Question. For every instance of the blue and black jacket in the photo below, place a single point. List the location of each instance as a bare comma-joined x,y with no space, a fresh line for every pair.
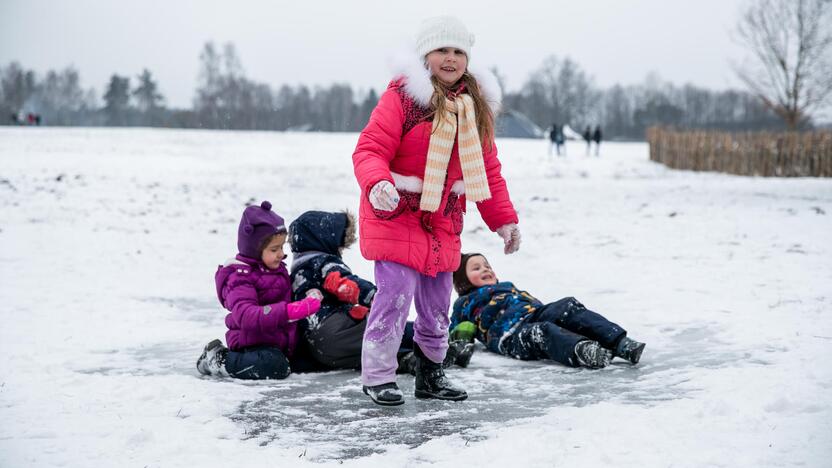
496,310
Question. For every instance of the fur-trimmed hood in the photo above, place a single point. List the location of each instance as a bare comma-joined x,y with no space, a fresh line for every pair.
322,231
416,81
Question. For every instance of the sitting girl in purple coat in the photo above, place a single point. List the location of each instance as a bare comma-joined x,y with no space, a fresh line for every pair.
254,287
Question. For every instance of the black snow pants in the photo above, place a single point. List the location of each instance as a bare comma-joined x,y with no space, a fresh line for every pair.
336,341
553,330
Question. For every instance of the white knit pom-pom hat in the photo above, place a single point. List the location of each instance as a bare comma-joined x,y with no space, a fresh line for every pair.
443,31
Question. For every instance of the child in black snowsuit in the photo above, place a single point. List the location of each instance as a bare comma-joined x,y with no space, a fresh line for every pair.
334,334
514,323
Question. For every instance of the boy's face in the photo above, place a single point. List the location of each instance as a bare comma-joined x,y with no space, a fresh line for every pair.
479,272
273,253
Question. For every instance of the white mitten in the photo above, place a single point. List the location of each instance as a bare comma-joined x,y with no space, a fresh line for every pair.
384,196
316,293
511,237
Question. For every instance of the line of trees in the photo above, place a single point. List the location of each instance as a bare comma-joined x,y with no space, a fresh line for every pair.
559,91
57,95
225,99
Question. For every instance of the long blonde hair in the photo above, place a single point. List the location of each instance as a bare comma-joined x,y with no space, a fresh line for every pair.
485,117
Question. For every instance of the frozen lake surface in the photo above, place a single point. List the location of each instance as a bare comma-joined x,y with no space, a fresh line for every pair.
109,239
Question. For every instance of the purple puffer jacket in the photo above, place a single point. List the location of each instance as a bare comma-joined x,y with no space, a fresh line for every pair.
257,298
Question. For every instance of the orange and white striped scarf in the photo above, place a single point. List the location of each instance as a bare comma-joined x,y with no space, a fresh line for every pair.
458,114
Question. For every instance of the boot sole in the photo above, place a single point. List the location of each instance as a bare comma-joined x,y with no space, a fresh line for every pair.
386,403
423,395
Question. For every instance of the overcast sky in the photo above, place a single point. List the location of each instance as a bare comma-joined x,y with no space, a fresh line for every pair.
318,42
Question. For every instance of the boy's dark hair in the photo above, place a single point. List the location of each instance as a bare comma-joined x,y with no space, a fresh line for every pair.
461,283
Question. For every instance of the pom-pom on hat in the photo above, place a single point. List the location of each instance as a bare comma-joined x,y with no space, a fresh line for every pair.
443,31
257,224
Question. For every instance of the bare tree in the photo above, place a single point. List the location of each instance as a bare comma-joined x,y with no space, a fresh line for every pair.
791,43
501,79
207,99
558,91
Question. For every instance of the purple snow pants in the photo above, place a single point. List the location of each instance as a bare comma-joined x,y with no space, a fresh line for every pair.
398,286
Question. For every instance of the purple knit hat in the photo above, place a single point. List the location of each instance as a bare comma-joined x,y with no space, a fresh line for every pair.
257,224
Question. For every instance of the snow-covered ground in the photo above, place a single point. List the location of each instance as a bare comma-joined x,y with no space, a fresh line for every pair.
109,240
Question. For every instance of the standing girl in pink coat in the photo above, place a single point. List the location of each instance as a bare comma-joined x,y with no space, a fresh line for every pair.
429,146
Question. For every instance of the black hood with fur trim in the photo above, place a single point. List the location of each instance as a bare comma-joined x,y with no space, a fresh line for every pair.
322,231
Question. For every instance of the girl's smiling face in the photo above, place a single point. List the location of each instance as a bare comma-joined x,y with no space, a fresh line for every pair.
273,252
479,272
447,64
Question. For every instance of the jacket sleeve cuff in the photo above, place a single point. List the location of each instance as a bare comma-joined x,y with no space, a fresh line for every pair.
275,317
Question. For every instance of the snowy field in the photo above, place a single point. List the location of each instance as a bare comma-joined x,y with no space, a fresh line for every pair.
109,240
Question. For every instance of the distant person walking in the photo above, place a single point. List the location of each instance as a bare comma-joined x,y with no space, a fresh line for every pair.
552,137
556,138
587,138
596,136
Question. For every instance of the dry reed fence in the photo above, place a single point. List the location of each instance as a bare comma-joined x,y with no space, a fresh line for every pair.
787,154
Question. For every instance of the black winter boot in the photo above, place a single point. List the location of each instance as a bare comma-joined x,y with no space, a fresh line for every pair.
459,353
591,354
385,394
451,355
212,359
407,363
629,349
431,381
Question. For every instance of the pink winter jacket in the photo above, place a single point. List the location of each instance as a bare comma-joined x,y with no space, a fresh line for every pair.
393,147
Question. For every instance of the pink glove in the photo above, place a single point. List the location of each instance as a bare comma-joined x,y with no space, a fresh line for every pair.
303,308
511,237
384,196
